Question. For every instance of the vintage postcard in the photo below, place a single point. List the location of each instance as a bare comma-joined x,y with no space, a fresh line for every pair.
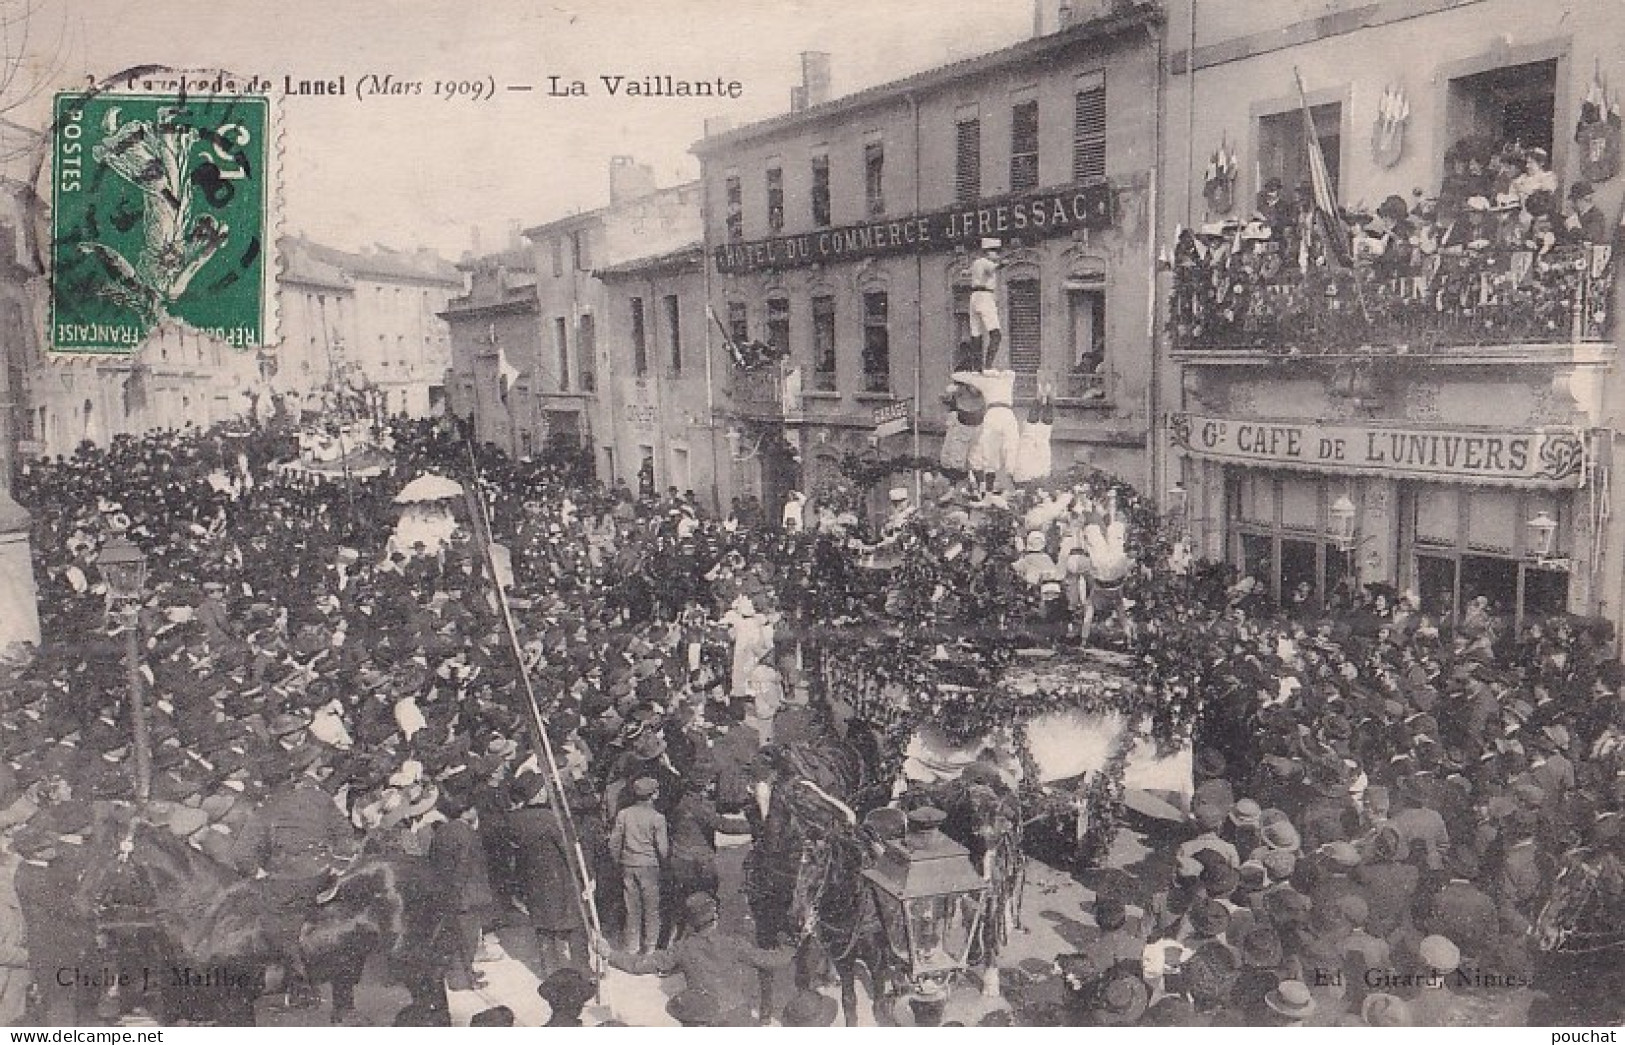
1047,513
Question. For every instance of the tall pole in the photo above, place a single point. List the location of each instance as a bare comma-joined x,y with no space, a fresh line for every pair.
134,683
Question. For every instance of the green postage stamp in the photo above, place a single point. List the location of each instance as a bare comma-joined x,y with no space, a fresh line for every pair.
160,212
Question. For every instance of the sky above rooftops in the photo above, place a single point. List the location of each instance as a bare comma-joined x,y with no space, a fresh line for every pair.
418,170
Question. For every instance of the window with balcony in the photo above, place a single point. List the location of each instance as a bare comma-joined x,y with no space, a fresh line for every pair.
820,191
778,325
1086,315
775,199
1283,145
1089,129
640,340
674,332
824,354
561,351
1512,106
968,160
876,343
736,209
1447,280
1024,146
874,178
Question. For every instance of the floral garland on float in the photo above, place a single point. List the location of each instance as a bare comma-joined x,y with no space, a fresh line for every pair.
956,648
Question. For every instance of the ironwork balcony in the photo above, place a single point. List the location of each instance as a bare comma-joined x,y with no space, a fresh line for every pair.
1256,299
760,392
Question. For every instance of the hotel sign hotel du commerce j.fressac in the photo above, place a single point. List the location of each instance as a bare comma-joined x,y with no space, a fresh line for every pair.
1541,457
1028,217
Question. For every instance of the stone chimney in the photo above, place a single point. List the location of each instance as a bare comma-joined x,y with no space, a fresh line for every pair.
814,78
629,179
514,240
1038,17
715,125
474,239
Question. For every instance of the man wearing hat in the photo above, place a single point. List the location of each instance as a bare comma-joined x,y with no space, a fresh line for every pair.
693,826
61,935
810,1009
297,837
1585,222
566,991
710,961
1462,911
546,876
985,329
640,844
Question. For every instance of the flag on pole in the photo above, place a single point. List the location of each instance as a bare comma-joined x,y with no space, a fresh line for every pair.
1327,215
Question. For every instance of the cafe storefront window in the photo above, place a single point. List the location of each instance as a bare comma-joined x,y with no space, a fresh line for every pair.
1465,543
1279,526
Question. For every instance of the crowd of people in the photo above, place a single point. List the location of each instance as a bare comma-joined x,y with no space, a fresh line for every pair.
1500,255
1377,783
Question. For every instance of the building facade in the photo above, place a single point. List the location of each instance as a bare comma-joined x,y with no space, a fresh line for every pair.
494,322
389,330
841,233
663,363
1436,412
571,377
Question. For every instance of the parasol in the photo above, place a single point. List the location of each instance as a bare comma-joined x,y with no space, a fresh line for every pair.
428,487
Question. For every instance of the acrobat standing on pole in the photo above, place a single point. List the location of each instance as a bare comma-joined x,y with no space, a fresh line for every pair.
985,328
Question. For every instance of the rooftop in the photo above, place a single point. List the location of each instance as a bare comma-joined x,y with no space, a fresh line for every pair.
380,263
687,254
1130,15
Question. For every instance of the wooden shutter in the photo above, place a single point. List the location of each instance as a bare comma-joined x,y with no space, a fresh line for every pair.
1024,147
1026,326
1089,134
968,160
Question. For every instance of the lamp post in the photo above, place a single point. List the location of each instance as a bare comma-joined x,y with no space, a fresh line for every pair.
123,568
930,899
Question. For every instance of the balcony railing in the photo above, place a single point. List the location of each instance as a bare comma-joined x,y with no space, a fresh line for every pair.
1250,296
759,392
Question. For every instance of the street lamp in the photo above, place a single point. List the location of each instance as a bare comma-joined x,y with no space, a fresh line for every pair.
1544,530
123,569
1342,516
1178,503
930,898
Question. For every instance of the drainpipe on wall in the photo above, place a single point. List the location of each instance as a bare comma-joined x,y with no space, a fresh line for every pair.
919,311
1154,406
710,387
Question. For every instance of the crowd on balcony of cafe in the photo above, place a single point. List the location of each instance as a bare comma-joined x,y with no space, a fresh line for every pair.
1501,254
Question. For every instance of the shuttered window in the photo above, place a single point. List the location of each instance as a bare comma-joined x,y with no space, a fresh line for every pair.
640,340
561,345
968,160
775,199
1024,146
738,323
1026,326
876,343
674,332
587,352
1089,133
824,355
736,210
874,178
820,191
778,323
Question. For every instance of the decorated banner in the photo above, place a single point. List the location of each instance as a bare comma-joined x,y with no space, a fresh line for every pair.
1544,457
